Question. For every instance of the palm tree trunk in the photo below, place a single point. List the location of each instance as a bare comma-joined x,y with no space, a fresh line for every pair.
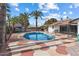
2,28
9,23
36,29
36,25
25,26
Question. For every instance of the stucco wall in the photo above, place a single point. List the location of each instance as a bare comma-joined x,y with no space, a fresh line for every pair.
53,29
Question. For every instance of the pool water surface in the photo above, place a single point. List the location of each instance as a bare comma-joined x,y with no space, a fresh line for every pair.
38,36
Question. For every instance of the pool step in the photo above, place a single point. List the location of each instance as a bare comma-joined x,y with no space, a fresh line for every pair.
15,45
32,46
28,47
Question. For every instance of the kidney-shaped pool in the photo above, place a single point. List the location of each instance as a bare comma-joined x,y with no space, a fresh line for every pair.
38,36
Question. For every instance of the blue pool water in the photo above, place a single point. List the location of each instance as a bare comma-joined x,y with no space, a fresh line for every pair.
38,36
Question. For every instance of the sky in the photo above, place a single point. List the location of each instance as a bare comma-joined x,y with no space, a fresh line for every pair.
49,10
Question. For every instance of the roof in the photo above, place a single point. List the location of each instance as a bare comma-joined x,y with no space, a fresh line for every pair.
67,22
64,22
75,20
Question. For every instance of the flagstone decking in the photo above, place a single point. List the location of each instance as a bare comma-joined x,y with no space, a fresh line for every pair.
58,47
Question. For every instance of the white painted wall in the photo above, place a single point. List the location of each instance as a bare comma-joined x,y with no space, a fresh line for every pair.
78,28
57,28
52,29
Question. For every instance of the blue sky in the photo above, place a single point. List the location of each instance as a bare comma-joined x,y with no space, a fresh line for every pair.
49,10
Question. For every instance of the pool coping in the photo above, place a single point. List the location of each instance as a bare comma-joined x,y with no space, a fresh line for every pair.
37,40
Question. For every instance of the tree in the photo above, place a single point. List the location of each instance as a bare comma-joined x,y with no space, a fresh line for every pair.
8,15
36,14
8,28
50,21
8,8
23,20
2,26
14,21
8,20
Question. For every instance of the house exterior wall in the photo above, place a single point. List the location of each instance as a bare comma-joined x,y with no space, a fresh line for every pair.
50,29
53,29
78,28
57,28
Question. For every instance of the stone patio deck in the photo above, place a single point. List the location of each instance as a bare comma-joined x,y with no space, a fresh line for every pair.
58,47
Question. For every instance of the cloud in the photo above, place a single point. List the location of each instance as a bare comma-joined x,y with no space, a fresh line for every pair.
41,5
70,12
48,6
43,17
44,11
52,6
64,13
15,4
32,3
45,7
65,16
70,6
27,9
76,5
55,15
17,9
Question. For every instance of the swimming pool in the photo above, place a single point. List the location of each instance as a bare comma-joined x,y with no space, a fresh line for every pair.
38,36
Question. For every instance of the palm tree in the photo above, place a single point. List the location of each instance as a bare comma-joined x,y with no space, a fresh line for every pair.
13,21
8,30
8,8
2,26
24,20
36,14
8,15
8,20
